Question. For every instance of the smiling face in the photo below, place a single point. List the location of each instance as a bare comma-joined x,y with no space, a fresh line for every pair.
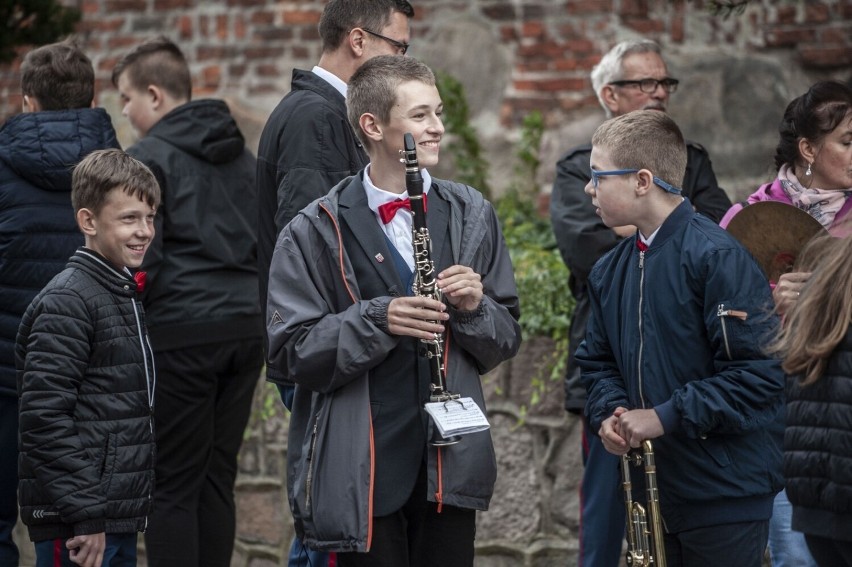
614,198
417,109
121,231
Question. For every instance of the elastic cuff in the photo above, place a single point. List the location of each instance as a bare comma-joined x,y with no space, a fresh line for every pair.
377,312
90,527
466,316
668,415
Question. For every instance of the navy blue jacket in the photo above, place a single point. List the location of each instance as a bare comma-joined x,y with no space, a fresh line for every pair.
680,328
38,232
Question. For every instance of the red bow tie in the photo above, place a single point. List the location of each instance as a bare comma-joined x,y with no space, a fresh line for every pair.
641,245
388,210
140,278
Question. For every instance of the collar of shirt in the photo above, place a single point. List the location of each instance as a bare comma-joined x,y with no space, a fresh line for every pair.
331,79
650,239
398,230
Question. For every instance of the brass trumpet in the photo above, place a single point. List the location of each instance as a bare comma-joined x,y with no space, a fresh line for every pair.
645,545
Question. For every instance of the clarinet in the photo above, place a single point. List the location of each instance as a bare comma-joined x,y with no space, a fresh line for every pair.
424,282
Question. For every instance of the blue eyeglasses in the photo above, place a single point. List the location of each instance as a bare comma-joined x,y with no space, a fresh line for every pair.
596,175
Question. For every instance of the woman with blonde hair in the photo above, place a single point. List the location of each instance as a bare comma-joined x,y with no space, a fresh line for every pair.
816,344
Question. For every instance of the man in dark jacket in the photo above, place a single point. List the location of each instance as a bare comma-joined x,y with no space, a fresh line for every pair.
86,379
37,229
201,299
631,76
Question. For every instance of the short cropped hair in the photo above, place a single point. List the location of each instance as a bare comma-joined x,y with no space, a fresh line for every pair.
342,16
157,62
812,116
104,170
372,89
645,139
611,66
59,76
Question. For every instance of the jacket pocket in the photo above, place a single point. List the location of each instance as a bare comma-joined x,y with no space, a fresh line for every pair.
108,463
309,474
733,328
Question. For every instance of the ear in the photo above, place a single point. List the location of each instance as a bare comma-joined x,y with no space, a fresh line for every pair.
87,222
156,95
371,127
807,150
356,41
644,182
30,104
610,98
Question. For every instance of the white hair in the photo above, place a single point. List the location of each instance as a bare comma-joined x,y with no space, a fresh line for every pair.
610,67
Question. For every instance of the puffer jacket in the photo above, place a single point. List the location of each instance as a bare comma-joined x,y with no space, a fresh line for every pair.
86,385
321,327
202,264
680,328
38,231
818,448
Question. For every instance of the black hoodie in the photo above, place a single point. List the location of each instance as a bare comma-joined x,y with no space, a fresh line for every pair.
202,266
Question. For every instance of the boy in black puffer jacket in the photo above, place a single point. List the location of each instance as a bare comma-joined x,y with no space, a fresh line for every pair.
85,378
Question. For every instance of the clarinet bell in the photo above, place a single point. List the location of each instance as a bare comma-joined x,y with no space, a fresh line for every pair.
436,440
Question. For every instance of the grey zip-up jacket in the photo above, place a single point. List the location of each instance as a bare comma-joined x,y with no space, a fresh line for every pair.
324,333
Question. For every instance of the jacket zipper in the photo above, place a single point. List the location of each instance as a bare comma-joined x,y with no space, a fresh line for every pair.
150,383
723,313
641,328
310,477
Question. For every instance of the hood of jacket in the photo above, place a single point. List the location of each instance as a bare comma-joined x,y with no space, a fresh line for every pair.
204,129
43,147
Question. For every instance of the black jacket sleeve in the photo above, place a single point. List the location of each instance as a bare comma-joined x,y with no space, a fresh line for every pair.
700,185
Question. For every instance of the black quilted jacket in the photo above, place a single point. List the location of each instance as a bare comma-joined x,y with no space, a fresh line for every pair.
818,449
86,387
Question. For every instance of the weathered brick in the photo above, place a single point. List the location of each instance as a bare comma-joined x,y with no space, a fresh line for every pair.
211,75
239,27
266,70
817,12
262,18
273,33
122,41
105,25
580,7
786,14
533,29
786,37
184,26
219,52
508,33
222,22
261,52
825,57
300,52
302,17
633,8
532,12
163,5
309,33
549,85
112,6
90,7
107,63
532,66
501,12
237,71
646,26
838,35
147,24
678,23
542,49
246,3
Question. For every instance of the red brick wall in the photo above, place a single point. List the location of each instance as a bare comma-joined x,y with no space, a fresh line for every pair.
245,49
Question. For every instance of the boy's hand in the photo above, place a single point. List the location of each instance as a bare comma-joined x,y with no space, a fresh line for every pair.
87,550
636,426
418,317
461,286
612,440
786,292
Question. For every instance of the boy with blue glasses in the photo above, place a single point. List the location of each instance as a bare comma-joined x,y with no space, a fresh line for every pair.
674,350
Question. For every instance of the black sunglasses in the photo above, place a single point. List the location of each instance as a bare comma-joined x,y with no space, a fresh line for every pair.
402,47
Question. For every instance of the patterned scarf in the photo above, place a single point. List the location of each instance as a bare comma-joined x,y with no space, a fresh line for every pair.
821,204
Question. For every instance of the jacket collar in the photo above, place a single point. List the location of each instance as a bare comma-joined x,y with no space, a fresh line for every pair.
100,268
679,217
